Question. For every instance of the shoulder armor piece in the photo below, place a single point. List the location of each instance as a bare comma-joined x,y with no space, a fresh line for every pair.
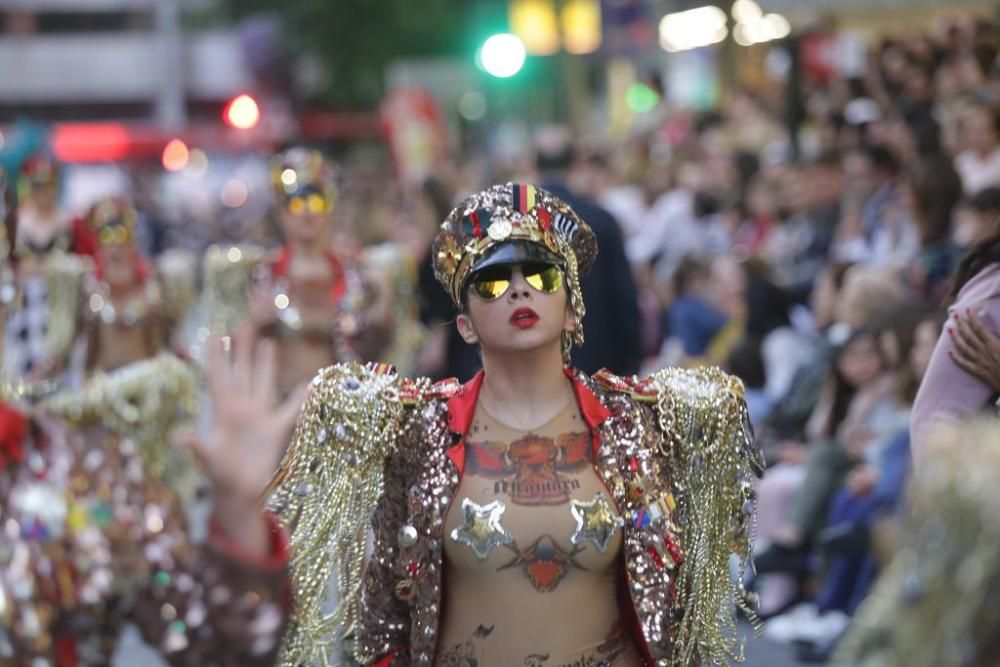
709,446
326,491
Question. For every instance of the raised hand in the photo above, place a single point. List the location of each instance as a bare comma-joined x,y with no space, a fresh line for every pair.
249,432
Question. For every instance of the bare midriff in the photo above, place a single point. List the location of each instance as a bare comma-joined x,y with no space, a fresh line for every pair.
310,345
120,345
532,544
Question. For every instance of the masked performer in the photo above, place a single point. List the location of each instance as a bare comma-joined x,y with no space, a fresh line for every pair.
133,305
535,515
93,537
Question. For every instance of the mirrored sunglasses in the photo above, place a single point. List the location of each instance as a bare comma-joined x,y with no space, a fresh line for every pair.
311,203
493,282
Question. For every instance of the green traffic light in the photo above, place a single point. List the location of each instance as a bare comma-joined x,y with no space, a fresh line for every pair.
640,98
502,55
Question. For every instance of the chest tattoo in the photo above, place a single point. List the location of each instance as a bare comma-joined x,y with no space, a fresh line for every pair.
532,470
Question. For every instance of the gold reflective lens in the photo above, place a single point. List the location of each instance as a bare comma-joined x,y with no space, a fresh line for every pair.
494,281
543,277
317,203
313,203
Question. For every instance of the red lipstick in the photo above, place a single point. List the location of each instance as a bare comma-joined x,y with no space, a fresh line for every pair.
524,318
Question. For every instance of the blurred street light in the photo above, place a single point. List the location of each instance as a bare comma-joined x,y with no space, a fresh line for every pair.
197,165
640,98
502,55
693,28
472,105
753,27
534,22
175,155
575,25
234,193
762,29
746,11
581,26
242,112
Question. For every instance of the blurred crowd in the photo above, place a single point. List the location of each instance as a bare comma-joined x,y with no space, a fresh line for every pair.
819,263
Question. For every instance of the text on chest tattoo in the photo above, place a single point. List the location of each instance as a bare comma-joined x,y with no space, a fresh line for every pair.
532,469
473,653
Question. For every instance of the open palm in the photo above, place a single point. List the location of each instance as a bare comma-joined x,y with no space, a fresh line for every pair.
249,429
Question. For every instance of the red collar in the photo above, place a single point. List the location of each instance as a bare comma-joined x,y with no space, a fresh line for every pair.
13,429
279,269
462,408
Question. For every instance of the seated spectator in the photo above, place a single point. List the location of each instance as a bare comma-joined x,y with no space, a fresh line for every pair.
857,411
875,226
746,363
872,490
692,318
932,191
979,162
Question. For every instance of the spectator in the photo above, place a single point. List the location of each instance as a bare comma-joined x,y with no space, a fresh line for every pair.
692,318
612,320
979,162
875,226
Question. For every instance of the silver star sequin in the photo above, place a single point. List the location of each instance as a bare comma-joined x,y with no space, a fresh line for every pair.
596,521
482,530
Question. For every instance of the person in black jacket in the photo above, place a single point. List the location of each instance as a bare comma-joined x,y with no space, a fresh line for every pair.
612,320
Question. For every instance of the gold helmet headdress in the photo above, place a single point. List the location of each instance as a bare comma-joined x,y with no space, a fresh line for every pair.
113,220
510,223
304,181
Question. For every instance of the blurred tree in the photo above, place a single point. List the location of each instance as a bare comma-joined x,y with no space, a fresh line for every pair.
354,40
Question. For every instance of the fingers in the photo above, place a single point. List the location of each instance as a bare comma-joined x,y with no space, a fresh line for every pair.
965,342
218,371
288,412
975,325
966,363
242,355
264,373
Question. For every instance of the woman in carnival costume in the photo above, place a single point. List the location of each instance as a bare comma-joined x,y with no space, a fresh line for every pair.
534,515
94,536
307,295
133,304
42,277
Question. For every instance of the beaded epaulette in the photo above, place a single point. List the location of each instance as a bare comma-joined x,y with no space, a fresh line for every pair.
709,444
326,492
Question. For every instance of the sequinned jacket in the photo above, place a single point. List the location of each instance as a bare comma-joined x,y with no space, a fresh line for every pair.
91,540
677,443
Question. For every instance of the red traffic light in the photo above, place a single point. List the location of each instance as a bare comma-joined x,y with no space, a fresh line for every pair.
242,112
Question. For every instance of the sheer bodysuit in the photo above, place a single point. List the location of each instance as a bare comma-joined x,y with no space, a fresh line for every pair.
532,548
